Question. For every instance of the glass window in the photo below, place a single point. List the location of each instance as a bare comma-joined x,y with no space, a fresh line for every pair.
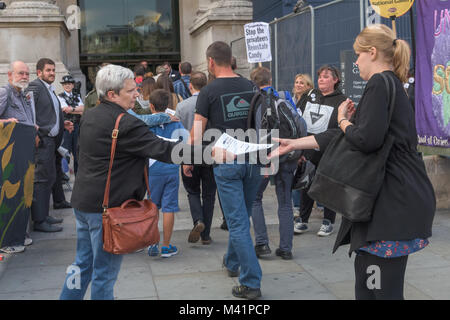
129,27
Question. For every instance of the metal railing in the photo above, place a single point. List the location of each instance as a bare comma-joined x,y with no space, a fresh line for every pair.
304,41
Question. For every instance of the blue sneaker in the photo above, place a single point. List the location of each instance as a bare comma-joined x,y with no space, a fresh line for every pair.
326,229
167,252
153,250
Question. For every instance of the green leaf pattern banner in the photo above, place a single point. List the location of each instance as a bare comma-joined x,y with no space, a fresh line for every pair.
17,149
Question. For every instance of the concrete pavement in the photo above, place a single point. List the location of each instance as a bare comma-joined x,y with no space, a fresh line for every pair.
196,272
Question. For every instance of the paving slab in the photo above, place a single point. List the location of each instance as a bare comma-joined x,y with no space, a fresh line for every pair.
196,272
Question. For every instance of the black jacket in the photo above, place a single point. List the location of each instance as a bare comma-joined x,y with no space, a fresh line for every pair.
405,206
320,115
135,144
45,112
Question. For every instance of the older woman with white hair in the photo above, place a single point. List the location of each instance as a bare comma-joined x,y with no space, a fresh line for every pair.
117,92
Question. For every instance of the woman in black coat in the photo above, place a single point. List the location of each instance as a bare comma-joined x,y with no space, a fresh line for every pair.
403,212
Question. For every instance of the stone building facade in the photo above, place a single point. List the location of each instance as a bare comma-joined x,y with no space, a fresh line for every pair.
33,29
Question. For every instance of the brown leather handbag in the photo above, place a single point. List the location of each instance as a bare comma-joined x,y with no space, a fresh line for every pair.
133,225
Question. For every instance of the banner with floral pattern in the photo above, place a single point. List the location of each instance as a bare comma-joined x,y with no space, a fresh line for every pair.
17,147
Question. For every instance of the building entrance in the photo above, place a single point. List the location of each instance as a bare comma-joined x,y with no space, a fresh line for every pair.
126,32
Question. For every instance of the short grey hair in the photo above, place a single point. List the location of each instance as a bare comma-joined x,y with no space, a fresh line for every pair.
112,78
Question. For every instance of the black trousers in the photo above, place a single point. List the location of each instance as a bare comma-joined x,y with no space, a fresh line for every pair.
201,189
57,190
44,178
379,278
306,206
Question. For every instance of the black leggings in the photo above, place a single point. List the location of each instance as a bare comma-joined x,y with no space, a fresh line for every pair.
306,205
379,278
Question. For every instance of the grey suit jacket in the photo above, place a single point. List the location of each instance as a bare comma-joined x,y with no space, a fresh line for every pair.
45,113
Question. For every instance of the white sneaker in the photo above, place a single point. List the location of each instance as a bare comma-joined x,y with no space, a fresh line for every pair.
28,241
15,249
300,227
296,212
326,229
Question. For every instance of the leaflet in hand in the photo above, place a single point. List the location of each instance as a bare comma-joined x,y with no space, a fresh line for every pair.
238,147
170,111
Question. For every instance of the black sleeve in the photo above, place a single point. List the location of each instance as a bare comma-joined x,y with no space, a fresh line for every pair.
324,138
140,141
203,104
371,121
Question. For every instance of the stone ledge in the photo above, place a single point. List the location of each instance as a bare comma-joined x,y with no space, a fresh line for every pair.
223,12
438,169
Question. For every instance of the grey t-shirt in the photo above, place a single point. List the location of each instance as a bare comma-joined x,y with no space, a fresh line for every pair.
19,106
186,111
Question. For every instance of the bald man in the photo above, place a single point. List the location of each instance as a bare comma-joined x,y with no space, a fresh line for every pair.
15,105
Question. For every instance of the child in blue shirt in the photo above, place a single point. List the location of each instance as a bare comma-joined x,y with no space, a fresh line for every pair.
164,179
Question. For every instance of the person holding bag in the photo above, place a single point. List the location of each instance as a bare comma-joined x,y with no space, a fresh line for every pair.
403,210
114,148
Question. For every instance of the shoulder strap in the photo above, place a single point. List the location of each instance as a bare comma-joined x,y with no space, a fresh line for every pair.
186,87
252,111
115,134
391,96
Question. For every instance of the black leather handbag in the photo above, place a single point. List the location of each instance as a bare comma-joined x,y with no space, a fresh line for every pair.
348,180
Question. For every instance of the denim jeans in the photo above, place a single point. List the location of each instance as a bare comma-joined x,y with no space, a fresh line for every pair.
70,142
296,200
237,185
283,184
92,264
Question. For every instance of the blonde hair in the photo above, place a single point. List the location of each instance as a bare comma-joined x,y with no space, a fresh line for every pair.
395,51
306,78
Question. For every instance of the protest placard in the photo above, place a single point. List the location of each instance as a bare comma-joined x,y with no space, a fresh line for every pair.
257,41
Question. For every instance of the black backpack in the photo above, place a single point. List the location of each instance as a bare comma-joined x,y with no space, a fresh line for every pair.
268,112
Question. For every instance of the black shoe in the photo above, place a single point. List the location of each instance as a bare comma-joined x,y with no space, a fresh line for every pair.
224,226
194,235
51,220
46,227
246,292
231,274
262,250
61,205
285,255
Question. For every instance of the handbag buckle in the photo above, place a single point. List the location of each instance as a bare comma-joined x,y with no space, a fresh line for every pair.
115,133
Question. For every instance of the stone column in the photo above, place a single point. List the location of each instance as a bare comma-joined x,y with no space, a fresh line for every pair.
31,30
205,21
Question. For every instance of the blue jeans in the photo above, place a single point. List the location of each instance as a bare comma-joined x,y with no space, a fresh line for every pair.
283,184
296,198
91,262
70,142
237,185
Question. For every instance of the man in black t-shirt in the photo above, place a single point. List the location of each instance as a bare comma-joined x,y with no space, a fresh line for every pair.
224,105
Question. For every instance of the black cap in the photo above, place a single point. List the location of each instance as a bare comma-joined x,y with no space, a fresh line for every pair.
68,79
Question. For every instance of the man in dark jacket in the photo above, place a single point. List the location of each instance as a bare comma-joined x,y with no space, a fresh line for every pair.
136,143
51,123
